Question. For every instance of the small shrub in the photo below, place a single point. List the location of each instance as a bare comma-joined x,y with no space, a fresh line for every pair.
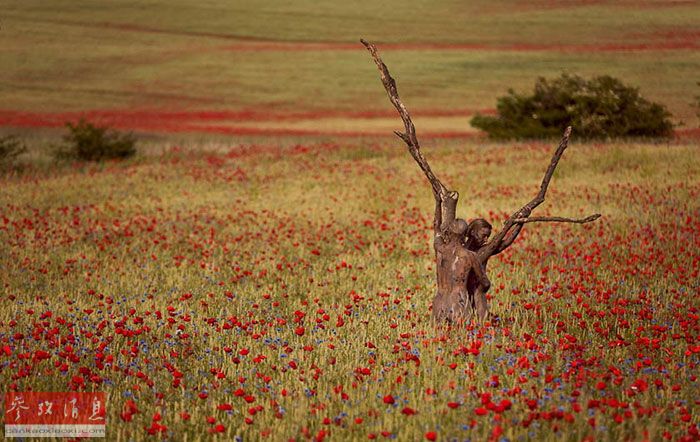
599,108
10,148
87,142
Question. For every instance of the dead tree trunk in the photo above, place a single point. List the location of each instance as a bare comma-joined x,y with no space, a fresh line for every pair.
461,254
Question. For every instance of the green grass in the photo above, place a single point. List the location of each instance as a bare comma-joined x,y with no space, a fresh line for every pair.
306,20
62,57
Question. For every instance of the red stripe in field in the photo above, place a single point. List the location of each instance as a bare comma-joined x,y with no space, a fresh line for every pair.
540,5
228,130
7,117
421,46
693,134
215,121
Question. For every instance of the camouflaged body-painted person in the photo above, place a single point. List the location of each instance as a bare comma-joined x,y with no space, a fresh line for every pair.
462,250
459,273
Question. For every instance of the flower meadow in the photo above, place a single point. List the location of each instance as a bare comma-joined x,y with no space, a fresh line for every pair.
282,292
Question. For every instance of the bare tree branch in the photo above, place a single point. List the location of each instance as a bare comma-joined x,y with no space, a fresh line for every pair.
409,136
445,304
539,199
446,198
556,219
522,216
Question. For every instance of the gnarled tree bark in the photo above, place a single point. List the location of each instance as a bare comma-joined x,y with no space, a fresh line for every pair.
461,266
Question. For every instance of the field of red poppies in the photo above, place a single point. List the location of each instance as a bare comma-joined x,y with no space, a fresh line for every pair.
267,291
263,269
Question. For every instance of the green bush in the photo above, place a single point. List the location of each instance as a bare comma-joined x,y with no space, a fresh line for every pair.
87,142
10,148
599,108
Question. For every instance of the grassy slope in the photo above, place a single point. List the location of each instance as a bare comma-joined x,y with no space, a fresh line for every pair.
78,55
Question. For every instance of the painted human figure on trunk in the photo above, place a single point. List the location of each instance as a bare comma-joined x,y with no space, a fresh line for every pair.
462,253
476,241
458,270
462,250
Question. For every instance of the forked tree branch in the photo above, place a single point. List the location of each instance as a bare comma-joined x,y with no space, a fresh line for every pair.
539,199
522,216
409,136
445,198
556,219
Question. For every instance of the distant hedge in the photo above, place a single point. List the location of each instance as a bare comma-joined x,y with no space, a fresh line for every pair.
10,148
602,107
87,142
